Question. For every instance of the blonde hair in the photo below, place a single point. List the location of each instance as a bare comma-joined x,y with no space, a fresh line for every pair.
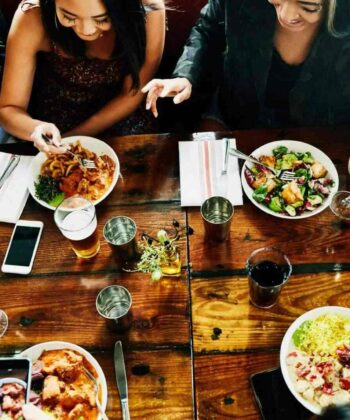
331,6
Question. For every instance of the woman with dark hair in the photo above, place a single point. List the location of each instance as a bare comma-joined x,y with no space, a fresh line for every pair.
75,67
281,63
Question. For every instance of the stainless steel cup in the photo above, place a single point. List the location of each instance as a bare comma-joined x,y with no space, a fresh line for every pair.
114,303
120,233
217,214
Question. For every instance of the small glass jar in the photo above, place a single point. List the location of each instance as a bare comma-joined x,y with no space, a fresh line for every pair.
171,267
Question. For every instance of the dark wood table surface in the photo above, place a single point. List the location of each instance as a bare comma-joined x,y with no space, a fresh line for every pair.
194,340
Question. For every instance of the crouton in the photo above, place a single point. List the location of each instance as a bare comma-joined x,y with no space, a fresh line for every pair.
291,194
318,170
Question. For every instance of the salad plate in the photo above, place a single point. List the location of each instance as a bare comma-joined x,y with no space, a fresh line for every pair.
91,144
34,352
315,378
309,194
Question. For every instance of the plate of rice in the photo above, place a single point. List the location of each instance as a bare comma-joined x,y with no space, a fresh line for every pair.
315,358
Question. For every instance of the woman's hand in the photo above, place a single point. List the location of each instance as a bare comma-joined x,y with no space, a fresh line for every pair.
180,88
53,133
31,412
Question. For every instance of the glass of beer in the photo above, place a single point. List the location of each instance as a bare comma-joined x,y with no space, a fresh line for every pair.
76,219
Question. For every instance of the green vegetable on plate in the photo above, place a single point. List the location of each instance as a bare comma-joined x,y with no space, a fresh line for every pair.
47,189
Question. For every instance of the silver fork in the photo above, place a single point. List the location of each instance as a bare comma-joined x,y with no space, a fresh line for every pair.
283,175
86,163
11,166
98,404
225,160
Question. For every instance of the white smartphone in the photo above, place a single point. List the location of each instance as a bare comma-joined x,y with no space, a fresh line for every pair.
22,247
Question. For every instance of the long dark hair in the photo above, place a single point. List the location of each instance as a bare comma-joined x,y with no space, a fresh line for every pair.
128,21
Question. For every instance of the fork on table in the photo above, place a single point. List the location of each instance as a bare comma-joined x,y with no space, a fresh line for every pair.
225,160
86,163
98,404
10,167
283,175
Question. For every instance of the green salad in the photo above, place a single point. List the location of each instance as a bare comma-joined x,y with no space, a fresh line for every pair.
47,189
306,192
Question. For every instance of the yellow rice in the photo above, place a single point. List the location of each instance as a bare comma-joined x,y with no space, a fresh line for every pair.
325,334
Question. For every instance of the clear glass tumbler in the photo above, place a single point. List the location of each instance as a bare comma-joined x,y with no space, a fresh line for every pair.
76,219
268,271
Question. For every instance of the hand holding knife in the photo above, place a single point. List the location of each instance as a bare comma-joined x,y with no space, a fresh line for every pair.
120,374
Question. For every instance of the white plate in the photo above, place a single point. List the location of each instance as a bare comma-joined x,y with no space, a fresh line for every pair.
287,346
94,145
34,352
295,146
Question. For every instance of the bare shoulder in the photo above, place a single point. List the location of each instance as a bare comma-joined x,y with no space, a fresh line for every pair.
27,30
153,4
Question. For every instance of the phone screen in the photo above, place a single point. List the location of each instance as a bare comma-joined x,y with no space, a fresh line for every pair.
274,399
14,386
22,245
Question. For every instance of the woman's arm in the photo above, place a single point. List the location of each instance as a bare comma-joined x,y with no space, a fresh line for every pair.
26,38
205,43
128,101
204,46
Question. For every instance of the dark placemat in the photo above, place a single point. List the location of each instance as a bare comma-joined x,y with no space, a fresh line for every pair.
25,148
274,399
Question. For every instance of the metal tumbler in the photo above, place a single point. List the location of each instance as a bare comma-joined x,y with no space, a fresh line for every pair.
120,233
113,303
217,214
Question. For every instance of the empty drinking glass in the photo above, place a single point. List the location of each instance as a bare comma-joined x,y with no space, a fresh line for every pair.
217,214
113,303
120,233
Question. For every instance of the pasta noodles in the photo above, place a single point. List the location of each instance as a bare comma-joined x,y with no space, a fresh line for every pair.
75,179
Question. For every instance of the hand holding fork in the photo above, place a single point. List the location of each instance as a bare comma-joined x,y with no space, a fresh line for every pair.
51,131
85,163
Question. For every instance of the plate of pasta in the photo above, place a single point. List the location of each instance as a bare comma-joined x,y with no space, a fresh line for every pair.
60,386
55,177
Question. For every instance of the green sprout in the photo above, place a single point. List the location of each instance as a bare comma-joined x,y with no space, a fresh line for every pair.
156,252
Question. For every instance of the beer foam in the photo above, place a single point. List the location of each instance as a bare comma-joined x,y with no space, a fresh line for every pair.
78,225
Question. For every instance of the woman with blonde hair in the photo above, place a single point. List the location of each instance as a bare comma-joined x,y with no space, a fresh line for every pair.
281,63
74,67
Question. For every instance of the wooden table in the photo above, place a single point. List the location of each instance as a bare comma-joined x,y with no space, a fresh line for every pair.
195,340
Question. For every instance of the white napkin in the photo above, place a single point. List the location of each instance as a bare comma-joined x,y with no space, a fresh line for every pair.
14,192
200,172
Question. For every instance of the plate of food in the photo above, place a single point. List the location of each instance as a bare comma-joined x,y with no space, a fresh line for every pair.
316,178
315,358
60,386
55,177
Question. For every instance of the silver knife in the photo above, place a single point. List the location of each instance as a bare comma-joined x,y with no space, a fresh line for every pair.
120,375
13,162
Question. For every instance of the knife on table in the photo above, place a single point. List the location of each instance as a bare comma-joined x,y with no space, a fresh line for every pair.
120,375
13,162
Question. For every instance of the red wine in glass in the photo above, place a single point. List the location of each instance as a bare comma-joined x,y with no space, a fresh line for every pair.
266,279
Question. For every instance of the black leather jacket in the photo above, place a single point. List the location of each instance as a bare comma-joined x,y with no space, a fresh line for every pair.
242,31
